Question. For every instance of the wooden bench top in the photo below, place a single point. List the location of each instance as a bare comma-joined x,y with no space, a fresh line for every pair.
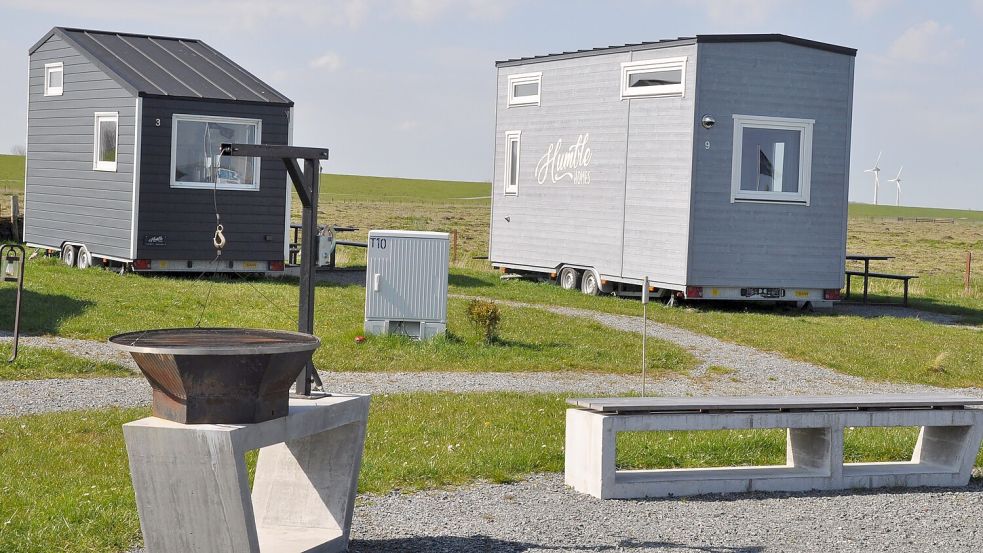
880,275
766,403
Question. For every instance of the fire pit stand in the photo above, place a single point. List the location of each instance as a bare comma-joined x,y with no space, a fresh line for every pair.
192,487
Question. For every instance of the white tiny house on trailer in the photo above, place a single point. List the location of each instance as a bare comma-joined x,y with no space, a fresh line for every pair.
716,166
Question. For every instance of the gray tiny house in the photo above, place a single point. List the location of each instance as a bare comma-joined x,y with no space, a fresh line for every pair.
716,166
123,136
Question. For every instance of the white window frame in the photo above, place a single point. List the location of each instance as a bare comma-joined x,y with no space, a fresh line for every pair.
510,137
629,68
525,78
804,128
214,119
98,165
50,68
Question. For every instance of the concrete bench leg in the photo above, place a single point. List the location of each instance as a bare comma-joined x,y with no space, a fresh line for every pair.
304,491
813,449
589,465
949,447
204,482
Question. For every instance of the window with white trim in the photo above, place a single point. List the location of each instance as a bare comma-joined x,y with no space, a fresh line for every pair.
524,89
105,141
772,159
195,159
512,163
650,78
54,79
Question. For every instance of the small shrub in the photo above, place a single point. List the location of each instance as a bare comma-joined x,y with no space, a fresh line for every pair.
484,316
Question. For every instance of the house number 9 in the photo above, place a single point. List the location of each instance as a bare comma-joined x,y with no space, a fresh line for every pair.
706,144
157,124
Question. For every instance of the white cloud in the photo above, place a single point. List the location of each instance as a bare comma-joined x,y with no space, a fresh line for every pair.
407,125
977,6
739,11
247,14
330,61
928,41
426,11
865,9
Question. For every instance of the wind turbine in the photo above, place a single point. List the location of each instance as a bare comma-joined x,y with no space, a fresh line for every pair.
897,181
876,170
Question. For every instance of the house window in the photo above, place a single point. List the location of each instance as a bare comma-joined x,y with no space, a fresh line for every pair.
195,159
512,163
105,141
54,79
648,78
524,89
772,159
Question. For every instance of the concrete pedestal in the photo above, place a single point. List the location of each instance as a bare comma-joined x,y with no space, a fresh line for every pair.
192,488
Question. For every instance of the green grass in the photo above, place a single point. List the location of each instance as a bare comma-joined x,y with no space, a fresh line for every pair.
96,304
881,211
390,189
11,174
37,363
883,348
66,485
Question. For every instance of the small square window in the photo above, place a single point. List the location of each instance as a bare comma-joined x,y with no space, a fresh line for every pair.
649,78
772,159
54,79
105,141
524,89
512,163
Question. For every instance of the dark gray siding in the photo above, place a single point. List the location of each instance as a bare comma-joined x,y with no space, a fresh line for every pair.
253,220
564,222
66,200
755,244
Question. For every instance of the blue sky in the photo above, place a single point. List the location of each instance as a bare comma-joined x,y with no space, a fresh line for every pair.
406,87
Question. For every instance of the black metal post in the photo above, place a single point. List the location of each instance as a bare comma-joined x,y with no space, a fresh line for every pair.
308,266
14,253
306,183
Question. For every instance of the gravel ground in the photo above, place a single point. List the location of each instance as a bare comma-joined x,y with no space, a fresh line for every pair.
754,373
541,514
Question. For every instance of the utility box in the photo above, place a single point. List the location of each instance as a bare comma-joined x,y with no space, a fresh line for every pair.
406,283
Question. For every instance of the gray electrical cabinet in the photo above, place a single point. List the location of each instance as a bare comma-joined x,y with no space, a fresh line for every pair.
406,283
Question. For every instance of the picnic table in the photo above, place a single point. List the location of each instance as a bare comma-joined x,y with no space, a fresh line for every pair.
867,275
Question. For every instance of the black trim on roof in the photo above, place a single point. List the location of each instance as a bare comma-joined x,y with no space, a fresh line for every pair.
681,41
153,65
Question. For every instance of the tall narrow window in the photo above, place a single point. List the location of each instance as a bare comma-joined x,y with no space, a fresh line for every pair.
662,77
105,141
54,79
772,159
524,89
195,159
512,163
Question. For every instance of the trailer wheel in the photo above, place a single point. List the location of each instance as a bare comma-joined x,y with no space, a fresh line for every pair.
68,255
569,278
84,258
589,284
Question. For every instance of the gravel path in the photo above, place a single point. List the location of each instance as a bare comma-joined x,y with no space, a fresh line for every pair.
753,372
540,514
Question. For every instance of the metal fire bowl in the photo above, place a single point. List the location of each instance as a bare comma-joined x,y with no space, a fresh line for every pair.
219,375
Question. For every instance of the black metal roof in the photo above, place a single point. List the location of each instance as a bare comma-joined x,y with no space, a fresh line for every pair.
149,65
681,41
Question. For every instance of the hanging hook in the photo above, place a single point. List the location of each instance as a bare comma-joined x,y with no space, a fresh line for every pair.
219,239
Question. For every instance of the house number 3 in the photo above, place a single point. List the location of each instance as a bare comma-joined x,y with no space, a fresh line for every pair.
157,124
706,144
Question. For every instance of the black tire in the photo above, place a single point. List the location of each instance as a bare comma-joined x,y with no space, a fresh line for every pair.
589,284
83,259
569,278
68,255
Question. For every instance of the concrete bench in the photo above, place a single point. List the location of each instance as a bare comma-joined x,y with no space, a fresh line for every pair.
951,432
867,276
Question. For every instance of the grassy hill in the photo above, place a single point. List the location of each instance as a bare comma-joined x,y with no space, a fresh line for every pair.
890,211
390,189
11,174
